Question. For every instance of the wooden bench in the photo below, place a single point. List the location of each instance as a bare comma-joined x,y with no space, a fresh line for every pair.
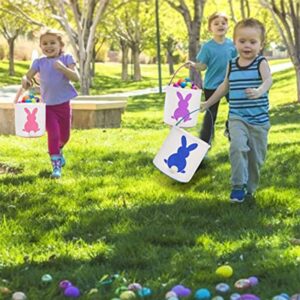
87,112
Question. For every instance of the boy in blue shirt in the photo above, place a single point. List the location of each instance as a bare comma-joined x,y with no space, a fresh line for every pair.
214,57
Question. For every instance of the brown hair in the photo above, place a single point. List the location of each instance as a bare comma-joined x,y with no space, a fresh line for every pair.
252,23
215,16
54,32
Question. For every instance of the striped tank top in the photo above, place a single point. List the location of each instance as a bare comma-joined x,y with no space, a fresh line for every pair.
252,111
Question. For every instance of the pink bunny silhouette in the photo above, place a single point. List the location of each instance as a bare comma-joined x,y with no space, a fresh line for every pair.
31,123
182,109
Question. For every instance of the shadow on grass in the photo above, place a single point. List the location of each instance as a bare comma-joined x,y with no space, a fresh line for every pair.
285,114
168,243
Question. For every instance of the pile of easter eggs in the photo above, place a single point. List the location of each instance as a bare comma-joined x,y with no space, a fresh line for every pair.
185,83
29,98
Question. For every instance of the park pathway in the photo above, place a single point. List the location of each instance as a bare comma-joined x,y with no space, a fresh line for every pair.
9,92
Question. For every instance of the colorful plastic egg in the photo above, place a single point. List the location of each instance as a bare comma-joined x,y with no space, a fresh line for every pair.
222,288
181,291
183,84
72,292
217,298
253,280
4,290
18,296
224,271
295,297
202,294
64,284
134,286
170,294
279,297
242,284
249,297
46,278
144,292
127,295
235,296
286,296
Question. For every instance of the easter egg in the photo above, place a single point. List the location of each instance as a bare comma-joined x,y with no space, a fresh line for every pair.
127,295
187,79
202,294
170,294
242,284
64,284
217,298
181,291
144,292
189,84
222,288
295,297
134,286
183,84
286,296
253,280
4,290
46,278
279,297
173,298
224,271
249,297
72,292
18,296
235,296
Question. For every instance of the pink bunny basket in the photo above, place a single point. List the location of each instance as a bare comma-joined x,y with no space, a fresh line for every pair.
181,99
30,116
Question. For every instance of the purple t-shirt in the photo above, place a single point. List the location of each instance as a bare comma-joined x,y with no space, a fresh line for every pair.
56,88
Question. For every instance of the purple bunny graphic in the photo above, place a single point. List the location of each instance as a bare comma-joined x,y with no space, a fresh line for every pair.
178,159
182,109
31,123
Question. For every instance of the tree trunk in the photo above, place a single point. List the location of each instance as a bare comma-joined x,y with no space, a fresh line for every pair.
170,62
125,50
11,46
136,63
297,70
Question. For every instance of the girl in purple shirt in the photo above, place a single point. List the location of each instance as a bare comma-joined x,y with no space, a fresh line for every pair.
56,69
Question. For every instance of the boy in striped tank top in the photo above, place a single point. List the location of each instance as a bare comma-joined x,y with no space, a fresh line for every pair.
248,80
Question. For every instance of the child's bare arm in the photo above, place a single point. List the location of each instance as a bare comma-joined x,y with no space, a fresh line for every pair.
69,71
221,91
197,65
27,79
265,86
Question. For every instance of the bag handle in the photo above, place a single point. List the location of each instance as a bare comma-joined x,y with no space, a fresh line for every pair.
198,109
199,85
21,90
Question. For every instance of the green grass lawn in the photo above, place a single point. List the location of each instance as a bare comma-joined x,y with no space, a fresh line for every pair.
114,212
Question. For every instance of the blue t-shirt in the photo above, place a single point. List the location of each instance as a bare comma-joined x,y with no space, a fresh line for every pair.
56,88
216,57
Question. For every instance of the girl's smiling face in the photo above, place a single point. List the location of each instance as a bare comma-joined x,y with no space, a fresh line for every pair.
50,45
248,42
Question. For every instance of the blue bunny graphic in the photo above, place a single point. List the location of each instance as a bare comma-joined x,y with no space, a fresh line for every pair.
178,159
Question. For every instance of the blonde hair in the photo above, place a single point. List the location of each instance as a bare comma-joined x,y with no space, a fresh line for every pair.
215,16
55,33
251,23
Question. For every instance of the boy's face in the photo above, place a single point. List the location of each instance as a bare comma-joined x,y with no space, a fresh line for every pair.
50,45
248,42
218,26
